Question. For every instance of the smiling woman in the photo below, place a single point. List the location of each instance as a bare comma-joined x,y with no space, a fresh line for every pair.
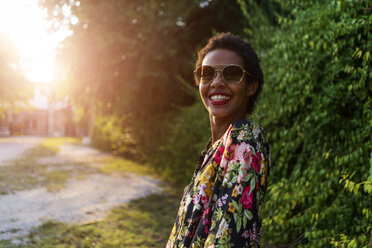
222,205
25,23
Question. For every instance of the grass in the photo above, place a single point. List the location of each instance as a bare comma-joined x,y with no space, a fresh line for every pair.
144,222
121,165
48,147
5,244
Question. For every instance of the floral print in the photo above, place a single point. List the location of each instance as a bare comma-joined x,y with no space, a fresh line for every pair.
221,207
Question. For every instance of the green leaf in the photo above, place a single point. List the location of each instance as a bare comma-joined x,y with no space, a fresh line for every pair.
248,214
244,221
247,177
252,184
236,206
238,224
236,217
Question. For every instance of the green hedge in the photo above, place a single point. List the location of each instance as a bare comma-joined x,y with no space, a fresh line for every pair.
316,108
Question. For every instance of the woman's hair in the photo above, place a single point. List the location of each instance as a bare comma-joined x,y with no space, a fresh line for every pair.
243,49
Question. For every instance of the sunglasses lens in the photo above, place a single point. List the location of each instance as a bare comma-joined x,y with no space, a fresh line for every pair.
206,74
233,74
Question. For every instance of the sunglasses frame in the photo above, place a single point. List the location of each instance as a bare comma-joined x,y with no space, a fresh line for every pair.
215,73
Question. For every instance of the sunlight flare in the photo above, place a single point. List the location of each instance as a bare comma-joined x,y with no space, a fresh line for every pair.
25,23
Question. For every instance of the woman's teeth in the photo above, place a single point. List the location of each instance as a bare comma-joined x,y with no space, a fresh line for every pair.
219,97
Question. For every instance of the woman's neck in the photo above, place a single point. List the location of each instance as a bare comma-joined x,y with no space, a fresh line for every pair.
218,127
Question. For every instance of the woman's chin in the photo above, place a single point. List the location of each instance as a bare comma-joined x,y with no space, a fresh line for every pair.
220,114
225,115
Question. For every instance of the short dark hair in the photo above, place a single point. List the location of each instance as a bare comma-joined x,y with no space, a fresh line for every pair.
243,49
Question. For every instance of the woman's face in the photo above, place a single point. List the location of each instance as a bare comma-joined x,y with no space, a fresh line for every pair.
225,101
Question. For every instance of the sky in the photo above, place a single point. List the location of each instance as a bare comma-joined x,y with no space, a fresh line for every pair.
25,23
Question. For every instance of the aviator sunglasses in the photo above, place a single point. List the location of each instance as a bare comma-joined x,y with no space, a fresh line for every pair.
231,74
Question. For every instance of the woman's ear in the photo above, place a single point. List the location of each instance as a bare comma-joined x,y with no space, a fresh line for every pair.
252,88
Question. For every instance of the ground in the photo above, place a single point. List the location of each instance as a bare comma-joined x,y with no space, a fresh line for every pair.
58,180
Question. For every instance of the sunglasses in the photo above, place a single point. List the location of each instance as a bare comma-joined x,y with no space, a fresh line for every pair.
231,74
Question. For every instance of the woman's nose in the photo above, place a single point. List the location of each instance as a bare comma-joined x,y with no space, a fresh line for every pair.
218,80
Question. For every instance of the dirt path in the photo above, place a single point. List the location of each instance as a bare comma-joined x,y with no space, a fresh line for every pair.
13,147
86,196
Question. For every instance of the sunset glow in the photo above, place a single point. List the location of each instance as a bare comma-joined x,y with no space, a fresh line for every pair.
24,22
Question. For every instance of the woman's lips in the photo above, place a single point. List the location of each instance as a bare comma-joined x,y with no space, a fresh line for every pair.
219,99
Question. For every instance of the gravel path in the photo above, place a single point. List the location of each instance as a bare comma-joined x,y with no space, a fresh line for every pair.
11,148
83,200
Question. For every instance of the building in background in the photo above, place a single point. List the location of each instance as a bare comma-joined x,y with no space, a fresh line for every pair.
56,119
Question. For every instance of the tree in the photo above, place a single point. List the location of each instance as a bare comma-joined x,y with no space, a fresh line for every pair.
134,59
14,87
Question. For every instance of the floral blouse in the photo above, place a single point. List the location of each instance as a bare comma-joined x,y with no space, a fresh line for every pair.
222,205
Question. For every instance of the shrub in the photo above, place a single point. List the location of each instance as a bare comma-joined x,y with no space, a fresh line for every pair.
187,134
316,108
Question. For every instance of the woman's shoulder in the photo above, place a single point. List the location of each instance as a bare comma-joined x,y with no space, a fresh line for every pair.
245,123
247,130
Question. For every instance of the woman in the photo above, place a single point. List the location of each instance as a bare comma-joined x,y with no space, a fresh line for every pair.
222,205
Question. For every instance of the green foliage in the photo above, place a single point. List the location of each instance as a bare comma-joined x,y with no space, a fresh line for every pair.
316,108
185,137
109,135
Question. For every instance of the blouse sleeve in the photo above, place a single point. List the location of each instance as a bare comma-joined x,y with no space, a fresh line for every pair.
238,200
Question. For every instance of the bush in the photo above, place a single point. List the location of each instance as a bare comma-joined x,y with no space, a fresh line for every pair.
110,134
316,108
187,134
169,143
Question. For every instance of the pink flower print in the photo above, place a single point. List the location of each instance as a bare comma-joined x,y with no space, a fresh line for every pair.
225,196
201,189
205,201
206,222
219,154
245,234
253,233
256,186
259,235
240,178
222,201
247,198
196,199
242,153
206,212
256,162
259,156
